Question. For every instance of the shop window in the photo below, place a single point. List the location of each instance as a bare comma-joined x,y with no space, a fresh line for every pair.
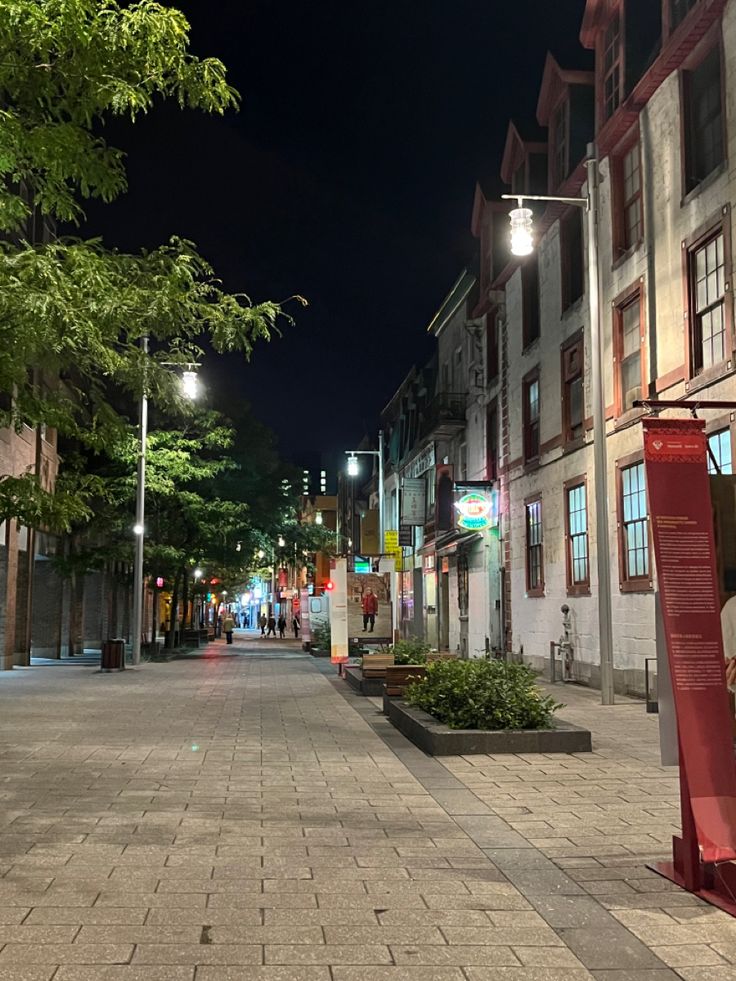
633,527
534,549
573,399
571,257
530,389
703,118
628,351
576,533
720,452
530,301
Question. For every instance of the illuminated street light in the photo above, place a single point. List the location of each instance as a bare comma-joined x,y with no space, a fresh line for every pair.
522,241
138,529
261,554
318,518
190,385
197,573
281,541
353,466
353,472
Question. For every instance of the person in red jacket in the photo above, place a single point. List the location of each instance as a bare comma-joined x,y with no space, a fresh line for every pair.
370,609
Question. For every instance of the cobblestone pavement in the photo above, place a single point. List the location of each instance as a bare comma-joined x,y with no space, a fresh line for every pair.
245,817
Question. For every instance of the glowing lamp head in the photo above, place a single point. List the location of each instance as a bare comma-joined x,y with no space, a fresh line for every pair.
261,553
352,466
522,240
197,573
281,541
318,518
190,385
138,529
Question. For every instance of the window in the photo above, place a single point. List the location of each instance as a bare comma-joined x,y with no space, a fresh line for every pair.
573,399
492,442
719,455
530,301
703,114
612,74
628,360
491,348
679,9
629,220
518,179
560,140
531,416
709,331
634,526
534,556
576,533
571,257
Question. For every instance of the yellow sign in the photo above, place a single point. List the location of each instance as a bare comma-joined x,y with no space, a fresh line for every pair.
391,543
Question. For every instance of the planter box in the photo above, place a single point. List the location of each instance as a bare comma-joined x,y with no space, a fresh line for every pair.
398,676
370,687
437,739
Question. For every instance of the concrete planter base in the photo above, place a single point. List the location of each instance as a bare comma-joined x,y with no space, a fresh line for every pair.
437,739
370,687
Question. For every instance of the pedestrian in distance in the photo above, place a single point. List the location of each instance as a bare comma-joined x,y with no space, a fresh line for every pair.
271,626
370,609
282,626
296,627
228,625
263,623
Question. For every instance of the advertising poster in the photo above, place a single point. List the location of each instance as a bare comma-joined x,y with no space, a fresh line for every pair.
684,547
370,610
370,539
339,612
413,501
306,629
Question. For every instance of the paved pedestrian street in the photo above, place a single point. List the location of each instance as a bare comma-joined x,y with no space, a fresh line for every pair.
240,815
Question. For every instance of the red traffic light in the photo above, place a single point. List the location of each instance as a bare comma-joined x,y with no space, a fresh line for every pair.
329,585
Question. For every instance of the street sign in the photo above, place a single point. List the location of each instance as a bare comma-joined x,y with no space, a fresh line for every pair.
391,542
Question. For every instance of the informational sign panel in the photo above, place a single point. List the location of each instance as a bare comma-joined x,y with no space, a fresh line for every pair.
370,540
406,536
304,618
339,612
682,534
413,501
370,610
391,543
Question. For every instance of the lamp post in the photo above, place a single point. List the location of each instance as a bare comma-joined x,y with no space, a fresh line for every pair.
353,470
522,243
189,390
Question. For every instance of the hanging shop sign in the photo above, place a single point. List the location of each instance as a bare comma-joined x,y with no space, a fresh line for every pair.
476,510
413,501
406,536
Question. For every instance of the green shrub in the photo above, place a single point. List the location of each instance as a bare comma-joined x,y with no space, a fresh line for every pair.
322,637
482,695
410,651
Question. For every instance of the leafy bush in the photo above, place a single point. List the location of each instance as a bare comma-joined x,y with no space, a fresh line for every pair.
482,695
322,637
411,651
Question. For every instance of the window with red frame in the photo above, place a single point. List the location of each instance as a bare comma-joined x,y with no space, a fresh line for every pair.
612,66
628,197
709,329
576,534
573,413
530,300
491,348
571,257
628,340
703,115
633,525
679,9
560,143
534,549
492,441
530,390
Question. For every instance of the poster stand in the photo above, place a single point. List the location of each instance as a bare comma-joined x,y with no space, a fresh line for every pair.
713,882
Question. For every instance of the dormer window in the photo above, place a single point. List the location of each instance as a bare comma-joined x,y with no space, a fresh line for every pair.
612,66
560,143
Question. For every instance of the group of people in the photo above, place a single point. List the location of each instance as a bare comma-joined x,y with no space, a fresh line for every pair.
269,625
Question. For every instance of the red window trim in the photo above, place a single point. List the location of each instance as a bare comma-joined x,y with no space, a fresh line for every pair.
630,584
617,10
576,340
580,588
536,591
719,224
619,304
713,38
529,377
555,179
620,248
566,301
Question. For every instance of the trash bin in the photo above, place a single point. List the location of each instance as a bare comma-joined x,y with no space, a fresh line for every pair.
113,655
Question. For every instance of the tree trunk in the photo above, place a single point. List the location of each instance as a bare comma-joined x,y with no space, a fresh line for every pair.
186,619
171,635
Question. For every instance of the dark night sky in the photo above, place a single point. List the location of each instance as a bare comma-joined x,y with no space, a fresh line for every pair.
347,176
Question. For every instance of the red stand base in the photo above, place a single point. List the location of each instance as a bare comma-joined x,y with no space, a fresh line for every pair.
714,884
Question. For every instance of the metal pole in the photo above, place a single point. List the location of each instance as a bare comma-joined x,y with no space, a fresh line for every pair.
381,502
600,466
140,515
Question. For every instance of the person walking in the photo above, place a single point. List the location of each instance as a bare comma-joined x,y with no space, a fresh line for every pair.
271,626
228,625
282,626
370,609
296,627
263,623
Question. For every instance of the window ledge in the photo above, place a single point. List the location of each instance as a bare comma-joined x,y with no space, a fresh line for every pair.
711,375
706,182
578,590
628,418
571,445
530,466
637,586
624,257
574,306
535,593
528,348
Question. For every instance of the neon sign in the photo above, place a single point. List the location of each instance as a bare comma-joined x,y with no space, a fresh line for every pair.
475,511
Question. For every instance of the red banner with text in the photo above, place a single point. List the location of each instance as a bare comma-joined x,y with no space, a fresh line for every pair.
682,533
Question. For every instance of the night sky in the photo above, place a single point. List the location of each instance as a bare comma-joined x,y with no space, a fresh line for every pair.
347,177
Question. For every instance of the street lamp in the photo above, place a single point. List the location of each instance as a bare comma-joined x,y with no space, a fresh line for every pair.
318,519
353,470
282,543
522,244
139,528
197,573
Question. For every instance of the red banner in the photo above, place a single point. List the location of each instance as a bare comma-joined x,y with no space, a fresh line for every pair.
682,532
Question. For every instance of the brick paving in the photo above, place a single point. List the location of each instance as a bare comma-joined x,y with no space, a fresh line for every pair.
245,817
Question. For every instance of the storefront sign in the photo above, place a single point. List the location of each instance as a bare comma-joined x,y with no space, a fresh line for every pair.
414,501
682,533
391,542
475,509
406,536
421,464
